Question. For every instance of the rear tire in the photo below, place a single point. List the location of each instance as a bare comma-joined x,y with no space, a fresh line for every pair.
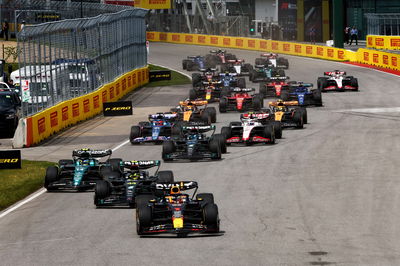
135,133
211,217
257,102
269,133
241,83
215,148
213,114
208,198
192,94
51,176
277,129
165,176
223,104
298,118
221,140
102,190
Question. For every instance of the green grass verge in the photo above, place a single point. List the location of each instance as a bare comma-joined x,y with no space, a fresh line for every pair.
176,78
16,184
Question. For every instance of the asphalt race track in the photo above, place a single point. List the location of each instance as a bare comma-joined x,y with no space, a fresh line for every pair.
327,194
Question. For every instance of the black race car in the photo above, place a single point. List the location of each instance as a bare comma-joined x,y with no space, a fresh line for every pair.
193,144
80,173
130,185
178,213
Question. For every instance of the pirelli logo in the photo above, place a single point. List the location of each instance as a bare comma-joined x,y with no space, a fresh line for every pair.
10,159
117,108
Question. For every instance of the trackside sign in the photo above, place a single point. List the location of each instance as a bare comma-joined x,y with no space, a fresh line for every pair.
156,75
10,159
117,108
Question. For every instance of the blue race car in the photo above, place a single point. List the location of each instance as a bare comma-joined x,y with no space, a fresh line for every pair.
80,173
158,129
195,63
303,93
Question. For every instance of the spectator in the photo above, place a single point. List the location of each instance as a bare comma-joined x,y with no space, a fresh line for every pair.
11,83
354,35
347,34
5,29
312,35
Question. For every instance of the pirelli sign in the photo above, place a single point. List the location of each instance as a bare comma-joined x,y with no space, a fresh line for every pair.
10,159
117,108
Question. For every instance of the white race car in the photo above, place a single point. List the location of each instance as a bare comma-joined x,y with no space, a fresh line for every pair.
337,81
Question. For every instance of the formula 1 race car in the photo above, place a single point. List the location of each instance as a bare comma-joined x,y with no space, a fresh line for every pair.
207,75
274,88
270,59
337,81
178,213
237,66
195,111
80,173
229,80
248,131
158,129
303,93
193,144
217,57
240,99
266,73
131,187
194,63
288,114
210,91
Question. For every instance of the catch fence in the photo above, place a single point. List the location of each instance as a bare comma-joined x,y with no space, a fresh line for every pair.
65,59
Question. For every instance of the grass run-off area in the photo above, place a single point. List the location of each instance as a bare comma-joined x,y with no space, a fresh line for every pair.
16,184
176,78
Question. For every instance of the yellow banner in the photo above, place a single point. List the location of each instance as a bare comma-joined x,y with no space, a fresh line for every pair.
153,4
383,42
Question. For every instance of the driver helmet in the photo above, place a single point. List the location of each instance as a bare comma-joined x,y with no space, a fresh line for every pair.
280,102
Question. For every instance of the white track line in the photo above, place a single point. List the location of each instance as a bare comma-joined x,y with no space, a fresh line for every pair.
22,202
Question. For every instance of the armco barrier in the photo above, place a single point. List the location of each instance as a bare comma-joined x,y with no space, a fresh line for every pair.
363,56
383,42
58,117
299,49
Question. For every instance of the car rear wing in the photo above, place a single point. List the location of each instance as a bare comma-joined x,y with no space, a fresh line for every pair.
193,56
197,103
235,61
212,82
143,164
279,78
219,51
243,89
87,153
307,85
259,66
166,116
257,115
269,55
286,103
331,73
208,69
182,185
230,74
198,128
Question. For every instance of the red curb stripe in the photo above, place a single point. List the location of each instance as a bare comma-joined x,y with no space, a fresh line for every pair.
391,71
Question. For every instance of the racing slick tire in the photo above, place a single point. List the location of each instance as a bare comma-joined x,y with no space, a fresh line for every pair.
165,176
322,83
298,118
263,90
142,200
260,61
65,162
247,68
215,148
192,94
354,83
135,133
115,164
213,113
190,66
285,95
241,83
51,176
317,97
277,129
281,72
176,129
207,198
252,75
226,132
167,148
225,91
257,102
269,133
304,112
184,63
102,190
196,79
221,140
206,117
211,217
144,124
143,218
223,104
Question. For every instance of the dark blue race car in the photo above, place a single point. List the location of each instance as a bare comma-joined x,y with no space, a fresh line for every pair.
194,63
158,129
80,173
303,93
